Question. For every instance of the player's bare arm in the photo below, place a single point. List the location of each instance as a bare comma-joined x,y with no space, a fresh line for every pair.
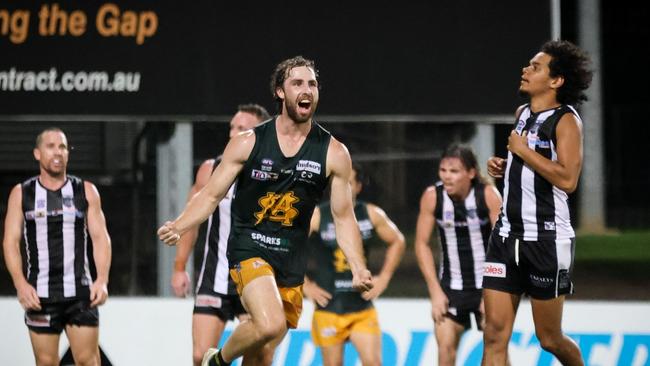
423,230
493,201
393,237
339,167
564,172
180,278
101,245
206,200
310,288
11,246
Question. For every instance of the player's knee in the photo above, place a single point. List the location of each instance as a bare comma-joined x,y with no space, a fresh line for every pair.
271,330
549,341
372,360
197,355
47,360
446,355
86,358
495,335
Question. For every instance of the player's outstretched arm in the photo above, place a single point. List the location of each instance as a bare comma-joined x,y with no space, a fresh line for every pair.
180,280
339,167
206,200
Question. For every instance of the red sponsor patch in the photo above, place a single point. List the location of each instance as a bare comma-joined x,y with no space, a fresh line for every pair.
37,320
208,301
492,269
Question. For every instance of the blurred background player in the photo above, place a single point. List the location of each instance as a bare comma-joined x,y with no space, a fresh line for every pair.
342,313
216,299
64,276
465,208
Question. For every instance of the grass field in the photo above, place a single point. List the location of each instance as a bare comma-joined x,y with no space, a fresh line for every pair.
632,246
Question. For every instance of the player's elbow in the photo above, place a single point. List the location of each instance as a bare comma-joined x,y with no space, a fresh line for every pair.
568,185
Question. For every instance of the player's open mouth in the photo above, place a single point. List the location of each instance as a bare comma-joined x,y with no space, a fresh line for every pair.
304,104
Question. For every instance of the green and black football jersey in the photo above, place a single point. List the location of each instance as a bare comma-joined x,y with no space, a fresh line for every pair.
274,200
328,266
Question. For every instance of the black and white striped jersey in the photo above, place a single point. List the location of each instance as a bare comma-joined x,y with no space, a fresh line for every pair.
57,246
464,229
214,274
534,209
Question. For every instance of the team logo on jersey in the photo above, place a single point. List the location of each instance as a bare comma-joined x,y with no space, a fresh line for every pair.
544,144
340,262
67,201
549,225
40,203
471,213
520,125
263,176
267,165
277,207
308,165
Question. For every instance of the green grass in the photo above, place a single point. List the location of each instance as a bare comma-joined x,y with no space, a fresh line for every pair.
630,246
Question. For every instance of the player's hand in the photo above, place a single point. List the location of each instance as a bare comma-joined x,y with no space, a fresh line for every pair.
439,307
28,297
496,167
379,285
181,283
362,280
517,143
98,293
316,293
168,234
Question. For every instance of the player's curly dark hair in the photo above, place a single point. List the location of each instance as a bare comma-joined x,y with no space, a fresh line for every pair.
573,64
282,71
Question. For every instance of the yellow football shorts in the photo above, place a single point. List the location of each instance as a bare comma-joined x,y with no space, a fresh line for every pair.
252,268
328,329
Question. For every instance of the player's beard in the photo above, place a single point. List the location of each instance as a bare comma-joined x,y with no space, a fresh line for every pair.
55,172
292,111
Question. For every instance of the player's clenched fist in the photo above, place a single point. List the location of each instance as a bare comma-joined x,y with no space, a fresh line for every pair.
362,280
496,167
168,234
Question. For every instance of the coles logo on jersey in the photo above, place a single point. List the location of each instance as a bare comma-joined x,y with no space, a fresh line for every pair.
494,270
308,165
